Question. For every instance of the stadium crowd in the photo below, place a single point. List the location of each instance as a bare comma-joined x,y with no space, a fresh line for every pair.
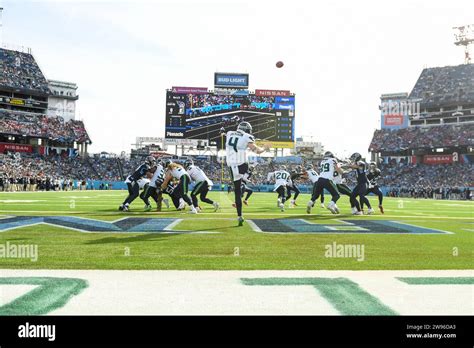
445,85
38,125
422,137
19,70
17,172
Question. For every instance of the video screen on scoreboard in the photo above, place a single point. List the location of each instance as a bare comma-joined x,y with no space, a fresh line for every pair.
206,116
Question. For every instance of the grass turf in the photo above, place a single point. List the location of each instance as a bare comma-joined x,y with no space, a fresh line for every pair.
236,248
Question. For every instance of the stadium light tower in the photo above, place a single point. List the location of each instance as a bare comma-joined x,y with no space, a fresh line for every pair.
464,36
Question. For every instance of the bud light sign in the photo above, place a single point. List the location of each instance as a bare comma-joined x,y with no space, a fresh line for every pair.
231,80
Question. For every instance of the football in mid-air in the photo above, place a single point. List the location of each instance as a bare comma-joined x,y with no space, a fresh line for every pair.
279,64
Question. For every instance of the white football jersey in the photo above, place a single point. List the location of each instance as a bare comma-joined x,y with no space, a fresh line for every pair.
236,144
158,176
327,168
313,176
281,178
337,179
178,172
198,175
142,182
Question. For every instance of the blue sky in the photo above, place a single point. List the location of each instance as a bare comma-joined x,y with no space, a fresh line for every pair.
339,56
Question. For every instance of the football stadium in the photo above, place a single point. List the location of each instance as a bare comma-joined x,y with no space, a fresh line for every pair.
232,209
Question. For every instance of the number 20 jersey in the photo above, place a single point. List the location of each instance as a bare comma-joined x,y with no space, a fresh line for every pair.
236,144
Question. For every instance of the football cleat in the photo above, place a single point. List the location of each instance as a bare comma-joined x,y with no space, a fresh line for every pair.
294,203
358,213
245,202
309,206
282,207
121,207
240,221
167,202
381,209
370,211
216,206
322,205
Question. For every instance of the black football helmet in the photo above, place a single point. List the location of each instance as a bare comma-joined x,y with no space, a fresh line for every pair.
188,163
328,154
355,157
150,160
245,127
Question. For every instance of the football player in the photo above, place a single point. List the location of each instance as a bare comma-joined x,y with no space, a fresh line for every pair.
362,184
328,166
292,187
313,176
153,189
372,176
246,191
281,178
176,171
202,184
236,145
132,182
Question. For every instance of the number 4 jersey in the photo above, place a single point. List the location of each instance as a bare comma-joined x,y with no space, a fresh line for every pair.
236,147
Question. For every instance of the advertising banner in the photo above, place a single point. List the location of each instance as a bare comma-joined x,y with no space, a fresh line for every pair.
231,80
15,147
438,159
189,90
271,93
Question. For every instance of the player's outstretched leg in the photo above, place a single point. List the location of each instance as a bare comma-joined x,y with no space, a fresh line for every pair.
354,203
238,200
332,206
379,193
133,191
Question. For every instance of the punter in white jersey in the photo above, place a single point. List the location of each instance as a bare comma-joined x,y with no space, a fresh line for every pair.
176,171
327,168
236,144
281,178
313,176
202,184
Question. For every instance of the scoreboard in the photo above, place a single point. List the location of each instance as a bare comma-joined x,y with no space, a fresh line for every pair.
205,116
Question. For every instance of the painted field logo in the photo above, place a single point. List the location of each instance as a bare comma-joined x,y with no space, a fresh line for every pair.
338,226
128,224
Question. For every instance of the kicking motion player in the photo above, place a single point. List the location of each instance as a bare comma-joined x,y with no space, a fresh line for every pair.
237,143
246,191
281,178
132,182
328,166
201,184
372,176
362,184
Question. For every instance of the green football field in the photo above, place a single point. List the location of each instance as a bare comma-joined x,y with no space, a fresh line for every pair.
72,230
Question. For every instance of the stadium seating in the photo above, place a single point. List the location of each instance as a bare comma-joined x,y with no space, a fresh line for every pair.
19,70
450,85
38,125
386,140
